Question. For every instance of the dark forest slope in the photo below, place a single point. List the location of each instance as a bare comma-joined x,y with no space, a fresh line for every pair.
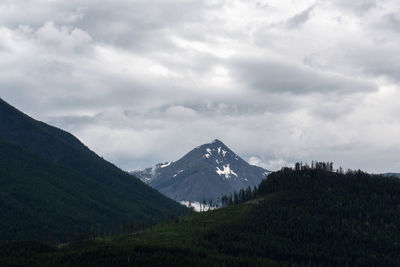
304,217
52,184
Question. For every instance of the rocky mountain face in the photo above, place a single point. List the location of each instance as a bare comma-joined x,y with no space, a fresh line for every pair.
207,172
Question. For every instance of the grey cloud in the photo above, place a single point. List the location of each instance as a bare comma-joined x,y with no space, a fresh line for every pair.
358,7
140,25
262,4
370,59
271,75
154,79
299,19
129,24
379,62
390,21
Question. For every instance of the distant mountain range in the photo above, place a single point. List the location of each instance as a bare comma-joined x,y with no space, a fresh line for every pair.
52,185
391,174
207,172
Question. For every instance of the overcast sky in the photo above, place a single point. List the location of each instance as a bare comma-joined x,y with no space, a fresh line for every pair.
278,81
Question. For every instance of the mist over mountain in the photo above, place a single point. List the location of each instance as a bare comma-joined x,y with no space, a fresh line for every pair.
207,172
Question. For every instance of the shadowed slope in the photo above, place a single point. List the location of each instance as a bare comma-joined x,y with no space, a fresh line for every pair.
52,183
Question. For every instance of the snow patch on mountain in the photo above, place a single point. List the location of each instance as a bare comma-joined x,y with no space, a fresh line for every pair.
221,151
226,171
176,174
166,164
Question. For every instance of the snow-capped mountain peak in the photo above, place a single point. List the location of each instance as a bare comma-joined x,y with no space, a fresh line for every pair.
207,172
216,151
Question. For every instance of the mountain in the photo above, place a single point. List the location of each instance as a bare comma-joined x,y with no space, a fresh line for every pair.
391,174
207,172
307,217
52,185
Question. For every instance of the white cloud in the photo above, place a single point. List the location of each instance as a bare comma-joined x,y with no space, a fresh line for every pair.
66,38
271,165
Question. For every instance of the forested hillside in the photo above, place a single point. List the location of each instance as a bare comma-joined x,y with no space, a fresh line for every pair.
303,216
53,186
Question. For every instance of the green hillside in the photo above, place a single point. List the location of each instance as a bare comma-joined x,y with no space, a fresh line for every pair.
53,186
304,217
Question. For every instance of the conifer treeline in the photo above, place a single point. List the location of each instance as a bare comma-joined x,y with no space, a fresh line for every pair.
239,197
315,165
249,194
